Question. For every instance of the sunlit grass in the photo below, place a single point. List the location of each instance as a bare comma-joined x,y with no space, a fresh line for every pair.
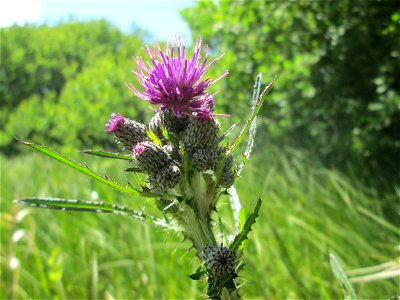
307,212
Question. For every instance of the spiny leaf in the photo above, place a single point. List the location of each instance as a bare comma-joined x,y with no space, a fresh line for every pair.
253,126
201,271
108,154
253,114
341,276
88,206
242,236
85,170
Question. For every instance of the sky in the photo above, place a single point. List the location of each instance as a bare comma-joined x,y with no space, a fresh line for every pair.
160,17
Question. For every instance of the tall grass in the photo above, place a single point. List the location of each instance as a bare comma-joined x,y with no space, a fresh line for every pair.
308,211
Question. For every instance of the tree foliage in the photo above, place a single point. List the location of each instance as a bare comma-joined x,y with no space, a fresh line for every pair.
59,83
337,62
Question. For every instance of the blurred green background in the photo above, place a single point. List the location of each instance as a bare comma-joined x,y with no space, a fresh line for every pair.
326,159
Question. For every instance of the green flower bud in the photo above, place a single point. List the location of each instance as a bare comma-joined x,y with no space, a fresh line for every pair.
227,177
151,157
201,134
205,159
168,177
220,261
127,131
168,120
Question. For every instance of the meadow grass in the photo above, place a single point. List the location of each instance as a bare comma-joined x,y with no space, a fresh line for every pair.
308,211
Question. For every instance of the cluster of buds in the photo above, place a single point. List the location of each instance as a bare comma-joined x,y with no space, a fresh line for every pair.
163,163
179,149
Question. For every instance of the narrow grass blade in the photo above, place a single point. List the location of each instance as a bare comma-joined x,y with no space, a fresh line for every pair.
88,206
253,126
377,276
288,262
242,236
253,114
341,276
85,170
108,154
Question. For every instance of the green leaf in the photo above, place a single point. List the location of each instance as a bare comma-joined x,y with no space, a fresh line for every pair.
200,272
228,132
85,170
153,137
341,276
242,236
169,136
108,154
87,206
253,114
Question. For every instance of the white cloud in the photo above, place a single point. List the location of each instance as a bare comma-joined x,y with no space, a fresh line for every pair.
19,12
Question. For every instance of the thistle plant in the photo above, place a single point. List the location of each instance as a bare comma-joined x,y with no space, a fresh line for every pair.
183,159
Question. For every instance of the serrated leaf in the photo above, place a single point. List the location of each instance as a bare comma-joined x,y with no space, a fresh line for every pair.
88,206
242,218
242,236
85,170
108,154
200,272
253,114
253,126
341,276
153,137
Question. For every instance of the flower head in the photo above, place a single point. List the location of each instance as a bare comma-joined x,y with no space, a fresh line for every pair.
114,122
174,81
220,261
127,131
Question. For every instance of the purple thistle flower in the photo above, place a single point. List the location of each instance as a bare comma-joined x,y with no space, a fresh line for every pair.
174,81
138,149
114,122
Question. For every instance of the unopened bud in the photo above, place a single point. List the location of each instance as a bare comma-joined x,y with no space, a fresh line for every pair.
174,152
202,134
166,178
168,120
205,159
227,177
151,157
127,131
220,261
